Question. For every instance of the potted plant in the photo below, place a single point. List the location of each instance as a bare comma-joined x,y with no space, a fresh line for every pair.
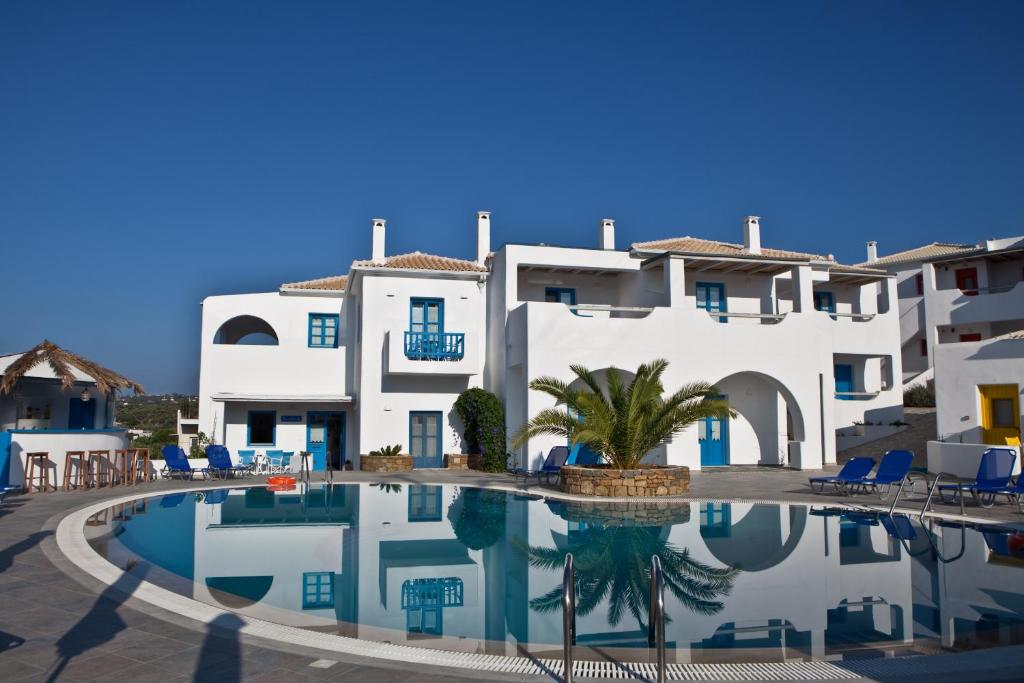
622,423
386,459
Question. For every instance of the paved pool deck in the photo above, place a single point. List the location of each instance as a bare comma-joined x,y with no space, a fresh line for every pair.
58,623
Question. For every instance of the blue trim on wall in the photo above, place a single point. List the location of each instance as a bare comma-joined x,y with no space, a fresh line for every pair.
323,317
248,428
5,458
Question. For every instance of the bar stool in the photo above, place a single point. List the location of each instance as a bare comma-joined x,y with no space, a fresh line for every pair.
140,466
97,468
76,458
40,461
124,466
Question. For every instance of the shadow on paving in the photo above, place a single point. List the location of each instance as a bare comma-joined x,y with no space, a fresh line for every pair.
8,554
100,624
220,660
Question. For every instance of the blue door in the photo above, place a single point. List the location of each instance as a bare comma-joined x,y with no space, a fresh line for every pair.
711,297
713,436
844,380
81,414
425,439
325,438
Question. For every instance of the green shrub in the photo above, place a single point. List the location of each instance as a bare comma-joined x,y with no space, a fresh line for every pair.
483,419
920,396
388,451
477,517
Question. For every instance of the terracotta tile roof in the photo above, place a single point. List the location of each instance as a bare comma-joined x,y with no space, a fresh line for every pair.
1018,334
420,261
330,283
841,268
696,245
927,251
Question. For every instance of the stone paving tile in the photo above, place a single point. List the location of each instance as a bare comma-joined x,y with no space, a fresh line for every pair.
15,670
94,665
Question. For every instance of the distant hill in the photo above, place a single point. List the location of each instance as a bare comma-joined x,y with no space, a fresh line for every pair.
155,412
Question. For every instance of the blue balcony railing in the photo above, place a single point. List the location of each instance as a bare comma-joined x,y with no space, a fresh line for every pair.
435,346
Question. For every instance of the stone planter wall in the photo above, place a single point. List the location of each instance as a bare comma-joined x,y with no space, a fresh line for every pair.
630,513
605,481
475,461
385,463
456,461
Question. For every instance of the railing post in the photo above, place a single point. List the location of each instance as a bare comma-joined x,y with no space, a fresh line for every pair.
656,617
568,617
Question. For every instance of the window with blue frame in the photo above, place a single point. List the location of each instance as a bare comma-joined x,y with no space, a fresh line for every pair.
716,520
317,590
424,601
560,295
323,330
711,297
426,316
824,301
424,503
262,427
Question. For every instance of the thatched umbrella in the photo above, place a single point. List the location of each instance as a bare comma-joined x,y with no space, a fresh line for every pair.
62,361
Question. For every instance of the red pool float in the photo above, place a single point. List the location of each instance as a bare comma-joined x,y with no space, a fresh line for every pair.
281,487
281,481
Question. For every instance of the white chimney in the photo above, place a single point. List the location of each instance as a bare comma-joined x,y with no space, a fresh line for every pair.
752,234
872,251
378,241
607,233
483,236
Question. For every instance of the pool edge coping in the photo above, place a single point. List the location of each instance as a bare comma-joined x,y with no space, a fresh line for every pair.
70,540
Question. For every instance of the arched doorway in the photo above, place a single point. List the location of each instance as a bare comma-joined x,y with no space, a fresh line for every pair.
768,418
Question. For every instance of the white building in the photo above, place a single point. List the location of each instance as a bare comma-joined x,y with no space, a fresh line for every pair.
53,401
962,317
799,344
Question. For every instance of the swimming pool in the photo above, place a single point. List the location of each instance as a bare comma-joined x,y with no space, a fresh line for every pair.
477,570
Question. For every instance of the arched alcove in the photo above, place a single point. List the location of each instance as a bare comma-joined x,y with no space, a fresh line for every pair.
246,330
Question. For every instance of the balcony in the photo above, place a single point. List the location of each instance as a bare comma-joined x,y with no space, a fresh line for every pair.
956,307
444,346
431,353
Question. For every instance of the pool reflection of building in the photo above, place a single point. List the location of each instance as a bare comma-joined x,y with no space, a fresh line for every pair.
398,562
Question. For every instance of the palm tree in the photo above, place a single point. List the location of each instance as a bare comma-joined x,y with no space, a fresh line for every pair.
621,422
613,563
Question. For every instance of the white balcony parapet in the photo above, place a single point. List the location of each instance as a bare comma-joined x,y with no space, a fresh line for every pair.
858,317
770,318
611,309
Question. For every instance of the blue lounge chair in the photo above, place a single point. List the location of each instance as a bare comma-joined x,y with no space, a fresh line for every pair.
582,455
215,497
557,457
220,462
1014,492
899,527
172,501
4,490
894,468
993,478
854,471
176,464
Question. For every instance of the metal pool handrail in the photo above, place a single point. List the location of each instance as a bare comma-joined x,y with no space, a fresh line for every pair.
568,617
656,616
931,490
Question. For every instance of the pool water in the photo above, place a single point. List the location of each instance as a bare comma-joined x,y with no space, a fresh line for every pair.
477,570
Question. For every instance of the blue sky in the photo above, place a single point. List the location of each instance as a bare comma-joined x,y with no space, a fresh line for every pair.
153,153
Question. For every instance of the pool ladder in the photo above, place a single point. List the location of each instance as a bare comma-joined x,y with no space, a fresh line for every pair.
655,625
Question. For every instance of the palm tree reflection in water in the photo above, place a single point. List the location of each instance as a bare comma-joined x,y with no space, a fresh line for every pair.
613,563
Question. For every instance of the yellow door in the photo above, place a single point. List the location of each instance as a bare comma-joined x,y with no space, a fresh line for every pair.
1000,413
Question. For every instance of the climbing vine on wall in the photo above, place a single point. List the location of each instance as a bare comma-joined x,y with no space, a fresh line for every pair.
483,419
